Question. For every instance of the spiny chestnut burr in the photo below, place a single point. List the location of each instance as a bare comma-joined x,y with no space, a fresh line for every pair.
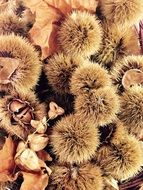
116,44
80,34
100,106
74,140
112,132
124,13
88,77
121,159
74,177
15,18
20,66
59,71
131,112
128,72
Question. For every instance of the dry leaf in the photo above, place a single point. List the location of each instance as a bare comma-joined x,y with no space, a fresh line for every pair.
37,181
21,147
55,110
44,167
7,163
34,181
40,126
27,160
7,177
43,155
66,6
38,142
48,15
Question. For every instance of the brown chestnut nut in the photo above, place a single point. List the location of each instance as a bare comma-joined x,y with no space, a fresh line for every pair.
21,110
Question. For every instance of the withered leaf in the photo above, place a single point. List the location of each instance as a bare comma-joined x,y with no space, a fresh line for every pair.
43,155
27,160
34,181
55,110
38,142
7,163
40,126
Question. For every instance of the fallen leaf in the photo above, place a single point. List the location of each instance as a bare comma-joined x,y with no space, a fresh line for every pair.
37,141
40,126
44,167
21,147
27,160
7,177
43,155
34,181
55,110
7,164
